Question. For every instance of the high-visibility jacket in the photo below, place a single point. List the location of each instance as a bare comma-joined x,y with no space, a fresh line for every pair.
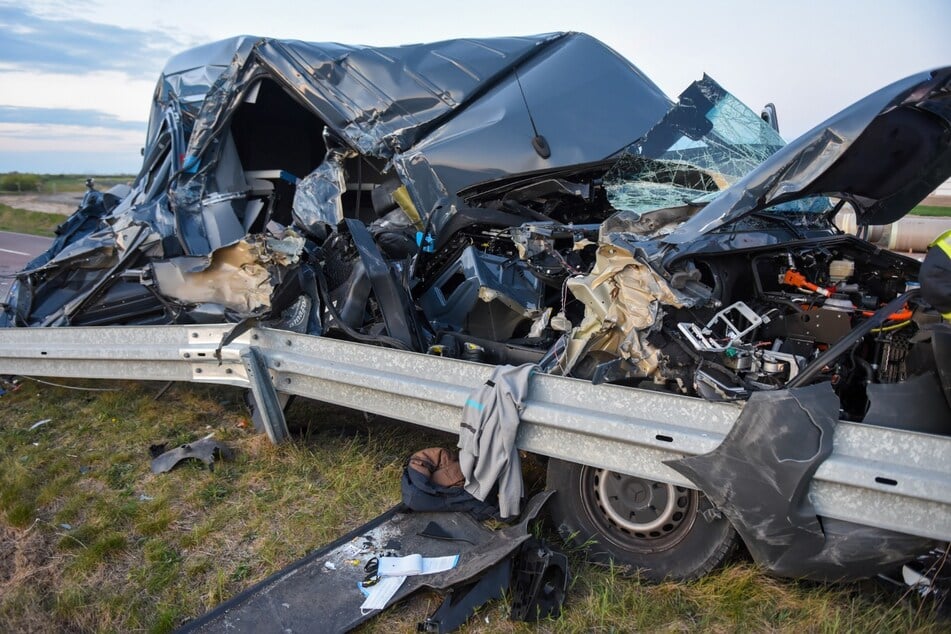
935,275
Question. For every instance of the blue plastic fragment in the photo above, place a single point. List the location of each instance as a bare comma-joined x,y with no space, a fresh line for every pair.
190,164
424,241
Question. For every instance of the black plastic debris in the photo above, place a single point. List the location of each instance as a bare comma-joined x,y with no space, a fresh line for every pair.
460,603
769,468
536,580
539,582
207,450
311,592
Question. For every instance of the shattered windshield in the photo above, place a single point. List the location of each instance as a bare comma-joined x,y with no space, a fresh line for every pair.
707,142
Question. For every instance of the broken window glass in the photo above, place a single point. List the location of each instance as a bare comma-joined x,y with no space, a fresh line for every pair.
707,142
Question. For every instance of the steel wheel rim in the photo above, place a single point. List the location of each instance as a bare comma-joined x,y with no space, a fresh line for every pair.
620,505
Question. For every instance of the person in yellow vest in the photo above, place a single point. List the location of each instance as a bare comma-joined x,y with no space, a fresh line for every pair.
935,275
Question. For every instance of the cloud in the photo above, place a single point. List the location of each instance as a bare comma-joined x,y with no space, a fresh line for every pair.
111,92
67,116
37,42
33,137
81,148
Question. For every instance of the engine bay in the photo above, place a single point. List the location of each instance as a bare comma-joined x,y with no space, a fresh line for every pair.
590,300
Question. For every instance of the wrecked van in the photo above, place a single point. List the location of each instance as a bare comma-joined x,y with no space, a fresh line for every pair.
539,200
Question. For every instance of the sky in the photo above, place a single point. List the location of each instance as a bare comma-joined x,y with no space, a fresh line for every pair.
76,79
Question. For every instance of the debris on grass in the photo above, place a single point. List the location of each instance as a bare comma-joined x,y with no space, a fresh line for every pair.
206,450
129,563
40,423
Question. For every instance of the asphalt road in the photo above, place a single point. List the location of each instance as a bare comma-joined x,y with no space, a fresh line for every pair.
16,249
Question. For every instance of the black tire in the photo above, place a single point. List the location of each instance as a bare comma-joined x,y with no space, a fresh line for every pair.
652,529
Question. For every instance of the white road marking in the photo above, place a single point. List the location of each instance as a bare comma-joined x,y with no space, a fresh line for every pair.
14,252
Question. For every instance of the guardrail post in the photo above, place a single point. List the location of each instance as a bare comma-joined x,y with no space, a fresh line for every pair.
267,414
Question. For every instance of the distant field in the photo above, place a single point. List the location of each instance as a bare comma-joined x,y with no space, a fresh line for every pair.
931,210
36,223
17,182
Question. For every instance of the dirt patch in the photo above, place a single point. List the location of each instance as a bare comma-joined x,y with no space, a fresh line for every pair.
8,549
63,204
24,555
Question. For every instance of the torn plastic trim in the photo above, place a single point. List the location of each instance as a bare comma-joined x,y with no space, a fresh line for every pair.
395,303
207,450
759,478
334,601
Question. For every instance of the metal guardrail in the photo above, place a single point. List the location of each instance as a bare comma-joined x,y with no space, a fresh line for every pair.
876,476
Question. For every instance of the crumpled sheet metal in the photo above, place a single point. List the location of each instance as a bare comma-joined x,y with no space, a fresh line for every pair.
384,102
206,450
376,98
317,199
238,277
188,76
623,300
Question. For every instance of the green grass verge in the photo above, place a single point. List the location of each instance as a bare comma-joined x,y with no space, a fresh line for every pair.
91,540
931,210
36,223
57,183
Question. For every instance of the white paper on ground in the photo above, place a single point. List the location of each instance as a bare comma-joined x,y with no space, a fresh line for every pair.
379,594
415,565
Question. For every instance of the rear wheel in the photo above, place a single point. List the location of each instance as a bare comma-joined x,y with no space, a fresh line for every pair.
655,529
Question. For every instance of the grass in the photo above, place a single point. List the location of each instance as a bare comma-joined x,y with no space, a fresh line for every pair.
931,210
91,540
32,222
64,183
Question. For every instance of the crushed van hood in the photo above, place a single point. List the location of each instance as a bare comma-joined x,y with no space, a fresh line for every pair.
447,114
883,154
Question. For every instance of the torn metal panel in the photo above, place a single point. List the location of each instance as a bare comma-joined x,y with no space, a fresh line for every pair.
238,277
188,76
317,200
602,99
384,102
623,301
